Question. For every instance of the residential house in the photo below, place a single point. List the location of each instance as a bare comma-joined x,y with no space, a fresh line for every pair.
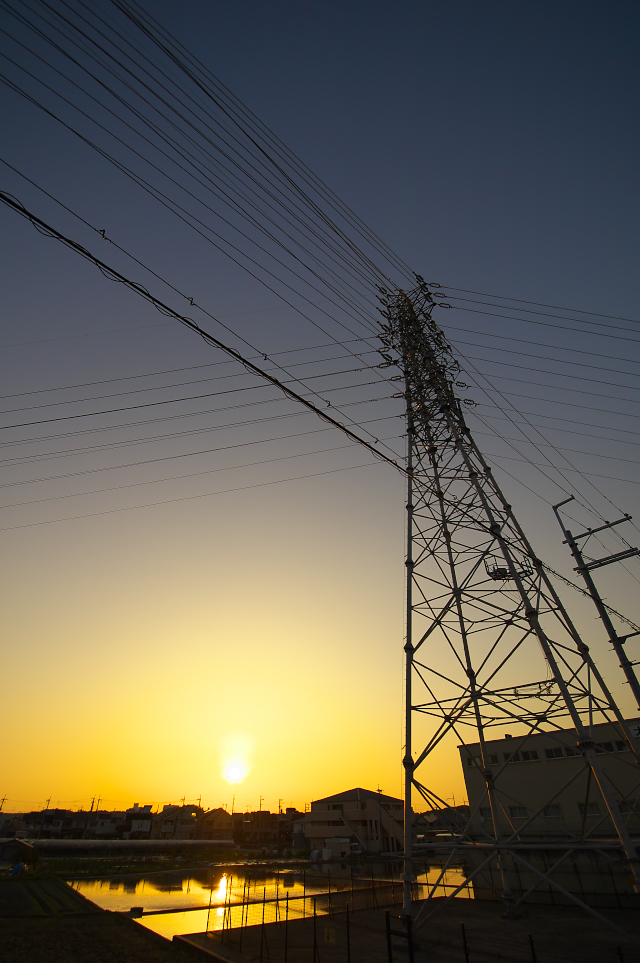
368,821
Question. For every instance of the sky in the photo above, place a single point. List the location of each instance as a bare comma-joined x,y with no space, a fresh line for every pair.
149,628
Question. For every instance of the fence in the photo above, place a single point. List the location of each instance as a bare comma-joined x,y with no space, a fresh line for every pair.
349,919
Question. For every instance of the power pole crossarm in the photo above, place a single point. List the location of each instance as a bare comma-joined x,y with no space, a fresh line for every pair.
584,568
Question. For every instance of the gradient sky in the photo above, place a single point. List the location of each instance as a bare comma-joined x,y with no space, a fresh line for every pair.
494,146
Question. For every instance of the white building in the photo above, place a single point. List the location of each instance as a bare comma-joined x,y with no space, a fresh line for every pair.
529,770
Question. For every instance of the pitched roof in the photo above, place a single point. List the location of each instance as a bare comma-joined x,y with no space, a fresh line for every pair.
214,813
358,793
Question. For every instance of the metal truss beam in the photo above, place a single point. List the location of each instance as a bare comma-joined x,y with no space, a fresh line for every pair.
481,609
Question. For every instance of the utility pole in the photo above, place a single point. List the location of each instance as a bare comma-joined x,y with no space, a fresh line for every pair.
42,820
585,568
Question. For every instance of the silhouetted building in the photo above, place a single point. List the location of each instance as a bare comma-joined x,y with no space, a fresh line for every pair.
109,825
449,819
137,822
368,821
177,822
264,829
215,824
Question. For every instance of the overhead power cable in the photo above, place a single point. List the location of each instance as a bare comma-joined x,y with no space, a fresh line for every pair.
119,427
540,304
548,324
540,344
187,498
168,371
171,478
244,115
170,401
164,458
112,274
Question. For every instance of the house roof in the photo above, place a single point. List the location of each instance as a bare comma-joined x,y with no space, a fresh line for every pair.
358,793
214,813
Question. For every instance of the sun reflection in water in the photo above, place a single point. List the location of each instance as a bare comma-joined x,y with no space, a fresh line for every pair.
221,893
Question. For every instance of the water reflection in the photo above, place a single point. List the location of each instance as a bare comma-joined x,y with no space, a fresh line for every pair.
181,902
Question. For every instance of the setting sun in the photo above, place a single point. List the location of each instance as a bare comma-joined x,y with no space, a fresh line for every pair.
236,757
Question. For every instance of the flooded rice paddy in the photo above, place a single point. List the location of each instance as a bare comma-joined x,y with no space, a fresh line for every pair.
181,901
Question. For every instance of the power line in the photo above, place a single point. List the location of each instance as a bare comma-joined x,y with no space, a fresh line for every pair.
192,325
196,474
43,439
548,324
181,384
540,304
187,498
163,458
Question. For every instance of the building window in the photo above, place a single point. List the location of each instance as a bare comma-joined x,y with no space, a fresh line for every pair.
485,812
572,752
604,747
555,753
622,747
592,809
553,812
624,807
493,759
518,812
512,757
473,760
530,755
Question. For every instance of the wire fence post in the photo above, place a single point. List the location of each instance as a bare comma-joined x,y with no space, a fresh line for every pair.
315,941
264,899
464,943
348,935
286,930
387,925
209,910
224,910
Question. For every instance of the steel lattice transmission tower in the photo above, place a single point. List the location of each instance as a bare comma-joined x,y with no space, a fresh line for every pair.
488,640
